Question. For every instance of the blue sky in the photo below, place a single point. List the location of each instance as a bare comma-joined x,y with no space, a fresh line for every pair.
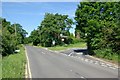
30,14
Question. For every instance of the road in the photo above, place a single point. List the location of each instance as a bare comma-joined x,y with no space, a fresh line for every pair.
48,64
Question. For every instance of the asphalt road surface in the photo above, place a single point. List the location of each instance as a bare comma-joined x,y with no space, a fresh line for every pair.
48,64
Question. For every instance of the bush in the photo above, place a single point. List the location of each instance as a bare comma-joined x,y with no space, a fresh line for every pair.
75,40
13,66
107,54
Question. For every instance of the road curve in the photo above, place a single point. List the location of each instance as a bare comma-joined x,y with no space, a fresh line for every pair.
47,64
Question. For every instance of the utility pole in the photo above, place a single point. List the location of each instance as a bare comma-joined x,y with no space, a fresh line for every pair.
16,50
15,29
15,33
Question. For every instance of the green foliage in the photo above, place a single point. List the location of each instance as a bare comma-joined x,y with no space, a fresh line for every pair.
50,29
34,37
64,47
14,64
0,35
27,40
98,23
12,36
107,54
73,40
20,33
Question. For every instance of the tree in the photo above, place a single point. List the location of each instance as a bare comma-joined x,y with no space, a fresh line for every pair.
20,33
9,39
50,29
97,24
85,20
34,37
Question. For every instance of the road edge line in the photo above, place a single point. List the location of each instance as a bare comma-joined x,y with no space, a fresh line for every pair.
29,75
115,65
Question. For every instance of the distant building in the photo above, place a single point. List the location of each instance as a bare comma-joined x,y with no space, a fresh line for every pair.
63,37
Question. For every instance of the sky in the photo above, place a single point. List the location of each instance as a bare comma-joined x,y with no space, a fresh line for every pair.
43,0
30,14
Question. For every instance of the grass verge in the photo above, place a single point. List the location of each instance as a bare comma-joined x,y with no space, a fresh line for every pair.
114,60
107,55
13,66
76,45
0,66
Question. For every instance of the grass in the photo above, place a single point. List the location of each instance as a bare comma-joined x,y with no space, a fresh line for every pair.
0,67
113,60
76,45
105,54
13,66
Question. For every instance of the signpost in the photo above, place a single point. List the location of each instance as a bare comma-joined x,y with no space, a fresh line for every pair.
53,42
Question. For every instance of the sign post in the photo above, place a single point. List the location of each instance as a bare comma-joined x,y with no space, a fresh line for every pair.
53,42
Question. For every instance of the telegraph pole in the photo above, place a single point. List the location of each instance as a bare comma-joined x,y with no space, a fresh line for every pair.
15,33
15,29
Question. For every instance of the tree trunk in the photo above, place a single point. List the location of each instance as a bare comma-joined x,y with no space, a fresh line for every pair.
89,47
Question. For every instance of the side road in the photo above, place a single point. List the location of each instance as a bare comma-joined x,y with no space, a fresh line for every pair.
71,52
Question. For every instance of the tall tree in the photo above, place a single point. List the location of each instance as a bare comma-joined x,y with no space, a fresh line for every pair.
20,33
50,29
10,41
34,37
97,24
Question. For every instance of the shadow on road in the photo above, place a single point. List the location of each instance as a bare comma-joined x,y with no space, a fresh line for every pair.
84,51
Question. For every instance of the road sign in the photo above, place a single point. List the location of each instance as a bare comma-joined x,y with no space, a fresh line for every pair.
53,42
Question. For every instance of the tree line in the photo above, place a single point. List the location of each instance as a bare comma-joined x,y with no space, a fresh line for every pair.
11,36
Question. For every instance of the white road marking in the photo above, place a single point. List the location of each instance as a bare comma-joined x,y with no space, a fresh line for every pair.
81,77
70,54
79,53
96,62
43,53
112,67
86,60
28,65
26,75
82,59
109,65
90,61
46,48
103,65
